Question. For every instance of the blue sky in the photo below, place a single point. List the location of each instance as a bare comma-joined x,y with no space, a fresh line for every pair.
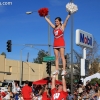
15,25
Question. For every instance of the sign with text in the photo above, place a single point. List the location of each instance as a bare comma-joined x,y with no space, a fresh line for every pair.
49,58
84,39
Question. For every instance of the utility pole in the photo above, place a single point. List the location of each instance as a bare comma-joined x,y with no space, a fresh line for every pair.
49,38
71,35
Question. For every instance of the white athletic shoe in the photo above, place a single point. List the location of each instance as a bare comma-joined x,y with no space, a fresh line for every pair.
55,72
63,72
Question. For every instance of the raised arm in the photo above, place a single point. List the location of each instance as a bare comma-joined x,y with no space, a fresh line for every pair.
66,20
64,84
53,81
50,23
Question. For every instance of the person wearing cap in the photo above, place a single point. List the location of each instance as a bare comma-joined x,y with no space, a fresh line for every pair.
26,91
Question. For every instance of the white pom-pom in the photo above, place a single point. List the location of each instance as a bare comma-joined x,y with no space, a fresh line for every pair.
71,7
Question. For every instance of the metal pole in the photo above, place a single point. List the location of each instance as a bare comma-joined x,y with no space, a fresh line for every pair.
71,51
21,67
21,71
49,42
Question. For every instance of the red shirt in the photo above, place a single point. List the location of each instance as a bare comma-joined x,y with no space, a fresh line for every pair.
58,95
26,92
44,96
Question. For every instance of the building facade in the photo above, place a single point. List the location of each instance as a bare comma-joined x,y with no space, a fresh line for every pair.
30,71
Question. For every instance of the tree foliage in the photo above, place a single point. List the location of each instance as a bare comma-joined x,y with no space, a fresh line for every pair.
94,67
94,58
41,54
94,80
93,54
4,54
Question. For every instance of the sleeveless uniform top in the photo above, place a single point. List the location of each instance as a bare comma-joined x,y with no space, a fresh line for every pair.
58,38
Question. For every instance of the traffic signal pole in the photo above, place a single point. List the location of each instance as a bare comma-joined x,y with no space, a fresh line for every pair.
48,70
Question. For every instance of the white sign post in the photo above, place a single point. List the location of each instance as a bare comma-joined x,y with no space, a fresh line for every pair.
85,40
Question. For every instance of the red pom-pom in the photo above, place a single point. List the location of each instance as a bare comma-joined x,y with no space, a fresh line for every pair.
43,12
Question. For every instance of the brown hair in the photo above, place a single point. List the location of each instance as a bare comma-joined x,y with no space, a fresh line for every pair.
59,19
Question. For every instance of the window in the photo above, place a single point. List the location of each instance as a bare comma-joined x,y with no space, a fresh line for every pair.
10,68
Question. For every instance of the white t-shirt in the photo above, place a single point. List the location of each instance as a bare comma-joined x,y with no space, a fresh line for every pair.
18,89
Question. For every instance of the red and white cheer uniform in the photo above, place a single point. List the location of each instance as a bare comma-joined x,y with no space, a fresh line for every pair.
58,38
58,95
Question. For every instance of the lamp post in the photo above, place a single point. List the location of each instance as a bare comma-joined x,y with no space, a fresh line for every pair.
21,71
49,36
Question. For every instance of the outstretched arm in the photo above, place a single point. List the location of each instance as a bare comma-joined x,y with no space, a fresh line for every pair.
50,23
64,84
66,20
53,81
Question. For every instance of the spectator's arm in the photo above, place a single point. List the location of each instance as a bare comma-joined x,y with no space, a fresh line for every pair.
40,92
96,94
48,93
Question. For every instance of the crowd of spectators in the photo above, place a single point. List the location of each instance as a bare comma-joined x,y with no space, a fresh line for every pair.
42,92
87,92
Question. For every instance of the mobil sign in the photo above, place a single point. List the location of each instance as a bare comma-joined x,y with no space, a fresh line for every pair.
84,39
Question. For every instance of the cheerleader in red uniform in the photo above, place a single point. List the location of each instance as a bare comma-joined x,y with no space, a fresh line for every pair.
59,43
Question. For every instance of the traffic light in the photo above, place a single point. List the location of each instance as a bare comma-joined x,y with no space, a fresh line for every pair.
48,68
9,44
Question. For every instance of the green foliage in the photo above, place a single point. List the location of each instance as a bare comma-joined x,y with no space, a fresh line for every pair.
41,54
94,67
94,80
4,54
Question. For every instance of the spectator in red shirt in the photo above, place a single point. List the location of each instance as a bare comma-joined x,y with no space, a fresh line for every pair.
27,91
59,93
0,96
45,93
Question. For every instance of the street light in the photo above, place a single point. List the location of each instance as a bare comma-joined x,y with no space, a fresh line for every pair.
30,12
49,36
21,71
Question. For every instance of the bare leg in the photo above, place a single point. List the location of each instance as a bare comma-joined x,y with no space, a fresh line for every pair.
56,52
62,50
